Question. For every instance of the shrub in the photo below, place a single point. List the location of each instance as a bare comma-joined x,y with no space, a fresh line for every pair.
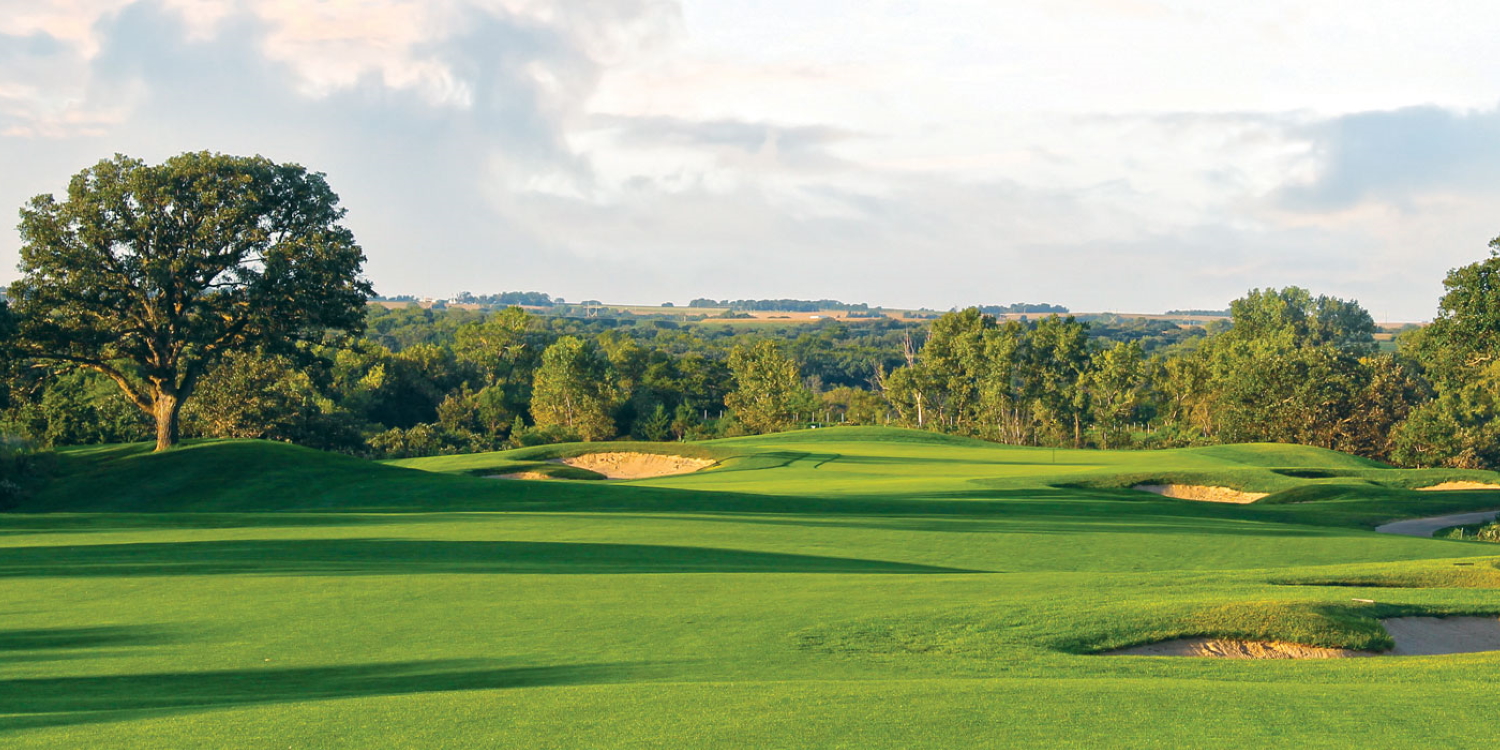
1488,533
21,468
545,435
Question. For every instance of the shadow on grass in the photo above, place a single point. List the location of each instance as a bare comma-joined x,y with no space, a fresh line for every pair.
404,557
67,523
974,463
65,644
62,701
44,639
1046,524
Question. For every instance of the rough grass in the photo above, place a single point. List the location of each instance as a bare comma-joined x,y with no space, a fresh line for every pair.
831,588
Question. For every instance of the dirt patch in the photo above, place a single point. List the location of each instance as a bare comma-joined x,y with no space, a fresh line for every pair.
621,465
1427,636
1222,648
1201,493
1459,486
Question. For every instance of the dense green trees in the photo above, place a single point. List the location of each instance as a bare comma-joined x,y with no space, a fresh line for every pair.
8,358
1012,382
1292,317
1291,368
1115,387
573,390
150,275
768,392
1460,356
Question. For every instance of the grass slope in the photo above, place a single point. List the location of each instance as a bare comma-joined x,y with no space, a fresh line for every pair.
851,587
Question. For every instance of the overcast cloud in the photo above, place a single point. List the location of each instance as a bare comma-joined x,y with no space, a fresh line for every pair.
1130,155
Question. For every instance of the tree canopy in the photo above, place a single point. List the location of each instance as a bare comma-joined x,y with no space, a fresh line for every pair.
572,389
151,274
768,389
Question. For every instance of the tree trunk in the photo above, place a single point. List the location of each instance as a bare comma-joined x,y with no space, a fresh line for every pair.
168,407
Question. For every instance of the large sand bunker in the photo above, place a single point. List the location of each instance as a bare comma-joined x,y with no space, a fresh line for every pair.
1414,636
622,465
1459,486
1201,493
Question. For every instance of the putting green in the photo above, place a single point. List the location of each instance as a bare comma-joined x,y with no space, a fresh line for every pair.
853,587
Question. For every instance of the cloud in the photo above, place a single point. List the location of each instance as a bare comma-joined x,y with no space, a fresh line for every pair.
1397,156
797,145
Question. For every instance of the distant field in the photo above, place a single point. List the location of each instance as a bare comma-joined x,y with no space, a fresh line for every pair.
845,587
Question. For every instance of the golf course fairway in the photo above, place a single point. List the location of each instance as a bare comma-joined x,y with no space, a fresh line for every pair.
847,587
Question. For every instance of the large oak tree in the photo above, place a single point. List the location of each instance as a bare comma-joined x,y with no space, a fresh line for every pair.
150,274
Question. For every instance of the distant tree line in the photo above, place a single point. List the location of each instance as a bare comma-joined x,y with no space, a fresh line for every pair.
505,299
1199,313
1022,307
502,299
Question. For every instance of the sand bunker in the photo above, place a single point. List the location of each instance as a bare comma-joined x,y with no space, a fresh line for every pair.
1460,486
1426,636
1414,636
620,465
1201,493
1222,648
520,475
1426,527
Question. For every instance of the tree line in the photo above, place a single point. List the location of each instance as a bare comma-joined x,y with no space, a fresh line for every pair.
216,296
1291,367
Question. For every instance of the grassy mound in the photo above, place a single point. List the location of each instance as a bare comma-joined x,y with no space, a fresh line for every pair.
257,475
1284,455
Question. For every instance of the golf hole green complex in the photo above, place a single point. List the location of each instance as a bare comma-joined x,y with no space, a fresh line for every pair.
841,587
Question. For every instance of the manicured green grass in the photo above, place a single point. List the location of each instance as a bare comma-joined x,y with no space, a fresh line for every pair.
851,587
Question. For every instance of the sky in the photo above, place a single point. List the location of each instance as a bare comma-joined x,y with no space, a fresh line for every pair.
1107,155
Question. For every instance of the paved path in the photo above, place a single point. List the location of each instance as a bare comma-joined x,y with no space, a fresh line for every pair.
1428,526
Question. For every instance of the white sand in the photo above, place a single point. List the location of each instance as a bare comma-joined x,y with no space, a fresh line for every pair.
1414,636
1201,493
1426,527
1425,636
623,465
1459,486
